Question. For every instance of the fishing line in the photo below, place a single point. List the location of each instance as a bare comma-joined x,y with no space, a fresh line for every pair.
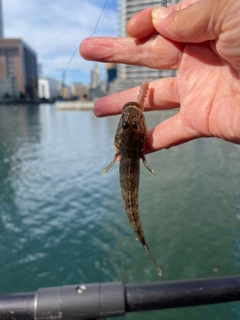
164,4
94,31
99,19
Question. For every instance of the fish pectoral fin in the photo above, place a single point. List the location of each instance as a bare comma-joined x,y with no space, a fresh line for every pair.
111,163
144,160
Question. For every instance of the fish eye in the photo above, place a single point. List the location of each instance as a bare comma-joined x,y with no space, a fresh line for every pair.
134,125
125,125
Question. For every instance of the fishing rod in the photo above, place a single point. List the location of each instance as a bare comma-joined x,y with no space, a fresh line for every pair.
100,300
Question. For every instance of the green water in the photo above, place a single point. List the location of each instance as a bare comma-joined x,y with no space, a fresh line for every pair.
62,222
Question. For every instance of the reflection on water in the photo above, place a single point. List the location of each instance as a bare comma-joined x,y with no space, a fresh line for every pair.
62,222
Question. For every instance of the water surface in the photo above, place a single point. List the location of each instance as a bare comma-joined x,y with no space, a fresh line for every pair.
62,222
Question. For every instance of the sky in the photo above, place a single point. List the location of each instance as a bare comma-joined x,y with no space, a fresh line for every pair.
55,28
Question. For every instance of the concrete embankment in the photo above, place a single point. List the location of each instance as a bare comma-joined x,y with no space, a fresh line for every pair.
74,105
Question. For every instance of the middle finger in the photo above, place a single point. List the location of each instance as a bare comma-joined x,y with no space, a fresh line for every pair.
162,95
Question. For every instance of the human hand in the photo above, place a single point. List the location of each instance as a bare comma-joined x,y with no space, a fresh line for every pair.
201,40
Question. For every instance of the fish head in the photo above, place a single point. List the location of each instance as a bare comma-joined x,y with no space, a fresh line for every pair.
131,116
132,126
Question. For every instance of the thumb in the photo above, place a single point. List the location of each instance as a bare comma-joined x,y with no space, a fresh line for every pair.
202,21
197,22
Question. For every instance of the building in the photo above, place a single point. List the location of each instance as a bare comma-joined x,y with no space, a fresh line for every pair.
40,70
79,91
48,88
1,20
18,69
8,87
95,77
128,75
111,73
96,88
66,92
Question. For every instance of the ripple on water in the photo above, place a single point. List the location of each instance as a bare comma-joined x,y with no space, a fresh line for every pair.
62,222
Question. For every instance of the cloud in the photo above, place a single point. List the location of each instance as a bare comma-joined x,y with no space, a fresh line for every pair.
54,29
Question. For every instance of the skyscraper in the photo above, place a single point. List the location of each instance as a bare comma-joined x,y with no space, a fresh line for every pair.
128,75
95,76
1,20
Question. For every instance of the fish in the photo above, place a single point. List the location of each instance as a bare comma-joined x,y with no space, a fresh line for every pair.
129,141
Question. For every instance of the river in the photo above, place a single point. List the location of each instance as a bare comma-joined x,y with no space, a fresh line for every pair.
62,222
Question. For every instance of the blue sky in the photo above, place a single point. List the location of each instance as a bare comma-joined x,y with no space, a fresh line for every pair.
55,28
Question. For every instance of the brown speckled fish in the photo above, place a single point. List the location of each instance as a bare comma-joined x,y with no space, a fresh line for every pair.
130,139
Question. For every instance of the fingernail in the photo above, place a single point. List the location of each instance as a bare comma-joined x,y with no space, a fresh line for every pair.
159,13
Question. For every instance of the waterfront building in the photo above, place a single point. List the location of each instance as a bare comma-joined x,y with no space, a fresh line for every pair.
95,77
40,70
79,91
8,87
111,73
18,69
48,88
130,76
66,92
96,88
1,20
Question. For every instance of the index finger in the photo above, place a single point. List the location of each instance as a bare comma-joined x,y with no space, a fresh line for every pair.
160,53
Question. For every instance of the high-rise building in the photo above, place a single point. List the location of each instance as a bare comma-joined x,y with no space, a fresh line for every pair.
1,20
128,75
95,77
111,73
18,69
